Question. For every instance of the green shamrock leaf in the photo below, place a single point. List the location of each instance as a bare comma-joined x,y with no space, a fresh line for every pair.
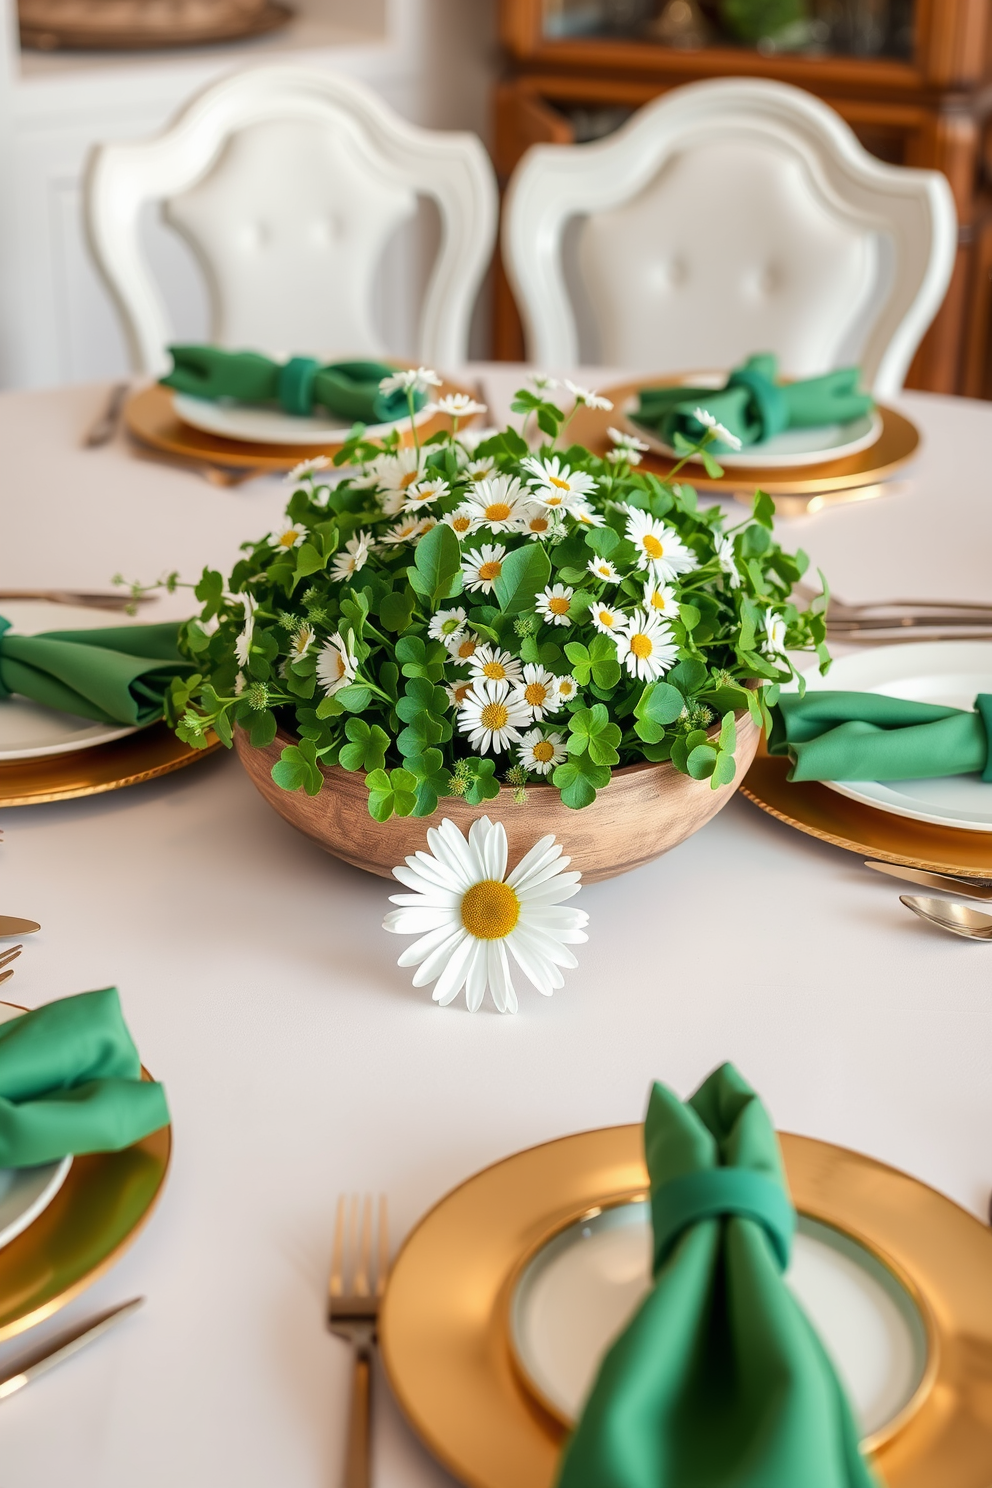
396,609
592,732
596,662
391,793
297,767
432,779
579,779
367,747
482,783
418,659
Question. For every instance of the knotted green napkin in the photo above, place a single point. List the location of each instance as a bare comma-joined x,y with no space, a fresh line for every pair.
116,675
865,736
754,405
70,1081
719,1381
349,390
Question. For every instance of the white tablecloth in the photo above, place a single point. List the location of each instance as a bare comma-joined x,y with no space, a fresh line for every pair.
300,1062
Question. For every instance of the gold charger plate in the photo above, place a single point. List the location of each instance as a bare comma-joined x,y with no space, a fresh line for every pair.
822,813
150,418
98,1211
151,752
840,479
445,1328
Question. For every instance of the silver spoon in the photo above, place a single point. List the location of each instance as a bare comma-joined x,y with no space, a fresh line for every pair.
959,919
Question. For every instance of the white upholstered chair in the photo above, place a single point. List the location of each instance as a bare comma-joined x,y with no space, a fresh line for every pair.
725,218
287,185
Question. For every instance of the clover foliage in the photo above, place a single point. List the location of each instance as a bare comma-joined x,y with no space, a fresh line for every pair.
483,609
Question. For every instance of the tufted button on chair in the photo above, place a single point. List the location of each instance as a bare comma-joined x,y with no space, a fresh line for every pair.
287,185
725,218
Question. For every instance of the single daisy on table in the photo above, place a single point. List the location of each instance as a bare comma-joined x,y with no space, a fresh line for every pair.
458,692
459,405
463,648
482,567
242,646
491,716
661,597
353,557
300,642
497,502
554,604
287,537
495,665
539,690
468,913
337,664
727,558
447,625
462,522
422,492
773,643
541,752
646,646
568,688
605,618
477,470
602,568
306,467
708,421
409,380
538,523
584,397
659,548
554,484
627,450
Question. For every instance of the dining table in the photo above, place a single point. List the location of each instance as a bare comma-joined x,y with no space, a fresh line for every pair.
300,1062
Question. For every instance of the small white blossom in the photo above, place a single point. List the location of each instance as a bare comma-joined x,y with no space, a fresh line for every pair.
540,523
661,597
773,643
404,531
629,444
242,646
554,604
461,521
462,649
306,467
447,625
589,399
602,568
459,405
660,550
422,492
605,618
494,665
568,688
539,690
554,484
541,752
458,692
481,568
492,716
409,380
336,663
352,558
289,536
709,422
543,383
300,642
497,502
727,558
646,646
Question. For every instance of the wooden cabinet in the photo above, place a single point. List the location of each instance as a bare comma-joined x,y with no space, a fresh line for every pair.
922,99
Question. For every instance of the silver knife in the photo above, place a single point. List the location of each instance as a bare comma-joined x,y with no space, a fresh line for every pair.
9,926
104,428
971,888
63,1347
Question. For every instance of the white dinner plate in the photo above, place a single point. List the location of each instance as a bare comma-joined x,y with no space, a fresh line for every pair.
949,672
29,731
577,1294
254,425
793,448
25,1192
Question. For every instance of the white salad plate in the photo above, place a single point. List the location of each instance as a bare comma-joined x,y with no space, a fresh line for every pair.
25,1192
578,1292
254,425
951,673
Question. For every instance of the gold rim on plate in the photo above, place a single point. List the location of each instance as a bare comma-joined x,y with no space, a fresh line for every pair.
103,1203
830,817
150,417
445,1319
144,755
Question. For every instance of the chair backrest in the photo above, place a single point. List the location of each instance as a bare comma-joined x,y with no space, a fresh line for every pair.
287,185
725,218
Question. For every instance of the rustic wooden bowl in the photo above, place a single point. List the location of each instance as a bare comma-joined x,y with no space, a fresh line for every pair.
644,811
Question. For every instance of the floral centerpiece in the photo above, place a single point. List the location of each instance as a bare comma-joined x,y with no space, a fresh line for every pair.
495,607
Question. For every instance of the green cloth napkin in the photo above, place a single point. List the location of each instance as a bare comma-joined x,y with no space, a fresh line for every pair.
719,1381
115,675
754,405
349,390
70,1081
865,736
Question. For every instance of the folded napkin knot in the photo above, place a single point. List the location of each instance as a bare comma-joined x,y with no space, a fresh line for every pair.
295,388
5,691
682,1202
769,407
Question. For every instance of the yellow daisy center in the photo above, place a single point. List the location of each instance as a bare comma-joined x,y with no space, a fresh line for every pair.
490,910
466,649
539,524
490,570
494,716
498,511
544,752
606,618
652,546
561,484
553,500
494,670
288,538
558,605
462,691
461,524
408,480
479,475
657,601
565,689
641,644
536,694
339,666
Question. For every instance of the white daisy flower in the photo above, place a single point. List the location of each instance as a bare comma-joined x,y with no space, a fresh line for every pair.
424,525
568,688
539,523
497,502
337,663
300,642
447,625
554,484
477,470
481,569
606,618
352,558
495,665
242,646
458,692
773,643
468,914
287,537
240,683
589,399
539,690
645,646
462,522
404,531
727,558
659,548
491,716
585,515
394,474
543,383
459,405
602,568
541,752
470,439
409,380
661,597
422,492
628,444
463,648
306,467
709,422
554,604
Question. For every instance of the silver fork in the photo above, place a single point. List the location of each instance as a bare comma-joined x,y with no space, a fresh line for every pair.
359,1266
